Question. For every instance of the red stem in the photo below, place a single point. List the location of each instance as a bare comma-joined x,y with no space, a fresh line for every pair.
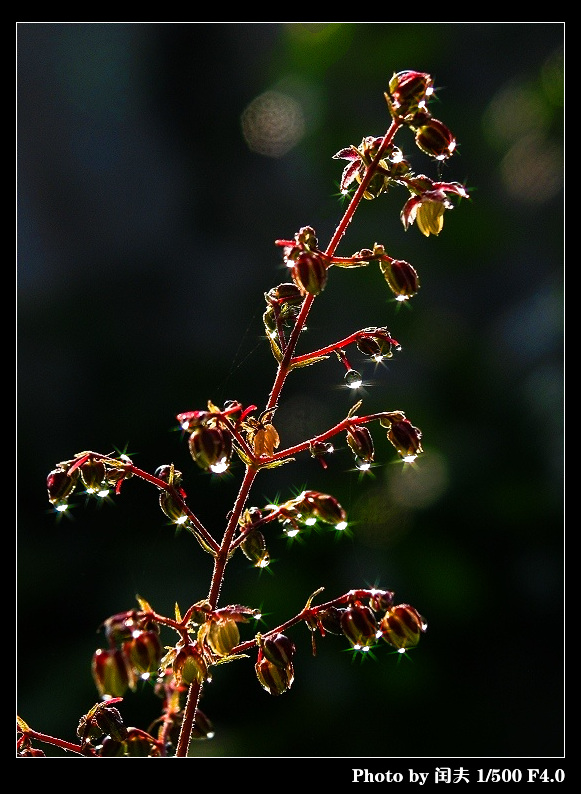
284,368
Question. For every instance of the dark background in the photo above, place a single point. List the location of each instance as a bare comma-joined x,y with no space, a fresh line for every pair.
146,228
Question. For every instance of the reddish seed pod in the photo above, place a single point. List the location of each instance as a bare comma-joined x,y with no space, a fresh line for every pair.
210,446
405,438
310,273
401,277
359,625
278,649
110,672
143,652
361,443
402,626
275,680
61,485
435,139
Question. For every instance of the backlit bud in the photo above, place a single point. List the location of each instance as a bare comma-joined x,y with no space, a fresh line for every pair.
192,419
406,439
210,447
326,508
169,475
143,652
359,625
275,680
377,347
254,549
102,719
361,443
401,277
329,620
222,635
110,672
93,475
402,626
189,665
278,649
172,507
435,139
381,600
60,486
408,91
309,272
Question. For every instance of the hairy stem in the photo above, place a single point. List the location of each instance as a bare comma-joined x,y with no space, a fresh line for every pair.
283,370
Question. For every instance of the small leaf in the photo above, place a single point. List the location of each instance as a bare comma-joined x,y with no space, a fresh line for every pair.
143,604
232,658
307,362
178,613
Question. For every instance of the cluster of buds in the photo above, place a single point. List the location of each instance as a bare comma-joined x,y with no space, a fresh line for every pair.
308,508
96,476
210,442
407,99
134,652
368,617
274,666
308,265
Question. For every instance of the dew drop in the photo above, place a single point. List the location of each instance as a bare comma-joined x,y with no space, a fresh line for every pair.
353,379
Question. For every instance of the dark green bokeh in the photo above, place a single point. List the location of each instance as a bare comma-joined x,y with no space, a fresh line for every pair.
146,241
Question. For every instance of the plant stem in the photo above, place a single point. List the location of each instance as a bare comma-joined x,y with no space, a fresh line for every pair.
221,558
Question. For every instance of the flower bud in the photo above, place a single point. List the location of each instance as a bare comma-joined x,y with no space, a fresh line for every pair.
409,90
102,719
210,446
284,293
60,486
406,439
359,625
169,475
326,508
192,419
329,620
278,649
309,272
377,347
189,665
361,443
143,652
93,475
401,277
275,680
223,635
172,507
381,600
254,549
402,626
110,672
435,139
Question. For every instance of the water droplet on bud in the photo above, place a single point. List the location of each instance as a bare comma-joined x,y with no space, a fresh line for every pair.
353,379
